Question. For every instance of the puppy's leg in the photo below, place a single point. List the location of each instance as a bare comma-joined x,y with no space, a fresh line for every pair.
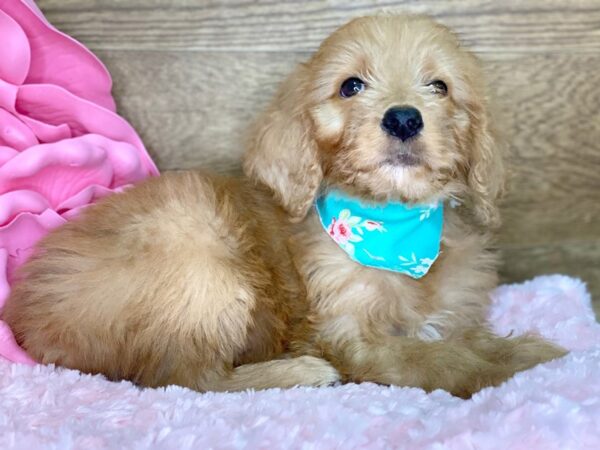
280,373
461,365
519,353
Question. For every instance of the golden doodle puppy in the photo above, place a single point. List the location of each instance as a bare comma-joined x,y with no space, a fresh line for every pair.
355,249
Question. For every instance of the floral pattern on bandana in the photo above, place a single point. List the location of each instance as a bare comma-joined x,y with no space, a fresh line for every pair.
393,236
342,228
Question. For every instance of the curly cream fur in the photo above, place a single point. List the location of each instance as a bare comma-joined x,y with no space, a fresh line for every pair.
218,283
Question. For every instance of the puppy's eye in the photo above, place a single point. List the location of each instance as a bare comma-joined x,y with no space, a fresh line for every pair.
439,87
351,87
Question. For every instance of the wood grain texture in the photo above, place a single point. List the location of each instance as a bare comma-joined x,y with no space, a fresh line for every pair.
191,74
201,104
266,25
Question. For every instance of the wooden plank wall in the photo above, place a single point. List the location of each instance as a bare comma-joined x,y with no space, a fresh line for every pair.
191,74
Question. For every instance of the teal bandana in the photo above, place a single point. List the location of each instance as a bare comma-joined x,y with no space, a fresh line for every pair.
391,236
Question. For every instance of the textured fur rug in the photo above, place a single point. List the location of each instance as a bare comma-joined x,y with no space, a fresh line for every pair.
553,406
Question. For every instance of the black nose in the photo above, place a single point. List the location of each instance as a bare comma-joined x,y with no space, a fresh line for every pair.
402,122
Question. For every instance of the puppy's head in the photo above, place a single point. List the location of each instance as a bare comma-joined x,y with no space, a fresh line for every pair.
389,108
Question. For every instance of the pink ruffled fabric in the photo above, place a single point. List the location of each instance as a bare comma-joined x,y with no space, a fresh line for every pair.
62,146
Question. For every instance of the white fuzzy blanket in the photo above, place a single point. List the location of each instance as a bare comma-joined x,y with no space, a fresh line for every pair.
553,406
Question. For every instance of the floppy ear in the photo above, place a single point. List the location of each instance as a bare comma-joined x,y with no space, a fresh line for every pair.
282,152
485,165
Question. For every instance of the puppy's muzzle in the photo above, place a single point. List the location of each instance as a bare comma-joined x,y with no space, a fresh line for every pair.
402,122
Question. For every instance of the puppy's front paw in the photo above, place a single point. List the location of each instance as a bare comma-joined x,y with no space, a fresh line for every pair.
312,371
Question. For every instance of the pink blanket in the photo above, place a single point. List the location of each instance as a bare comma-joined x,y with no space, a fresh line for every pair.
62,146
555,406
